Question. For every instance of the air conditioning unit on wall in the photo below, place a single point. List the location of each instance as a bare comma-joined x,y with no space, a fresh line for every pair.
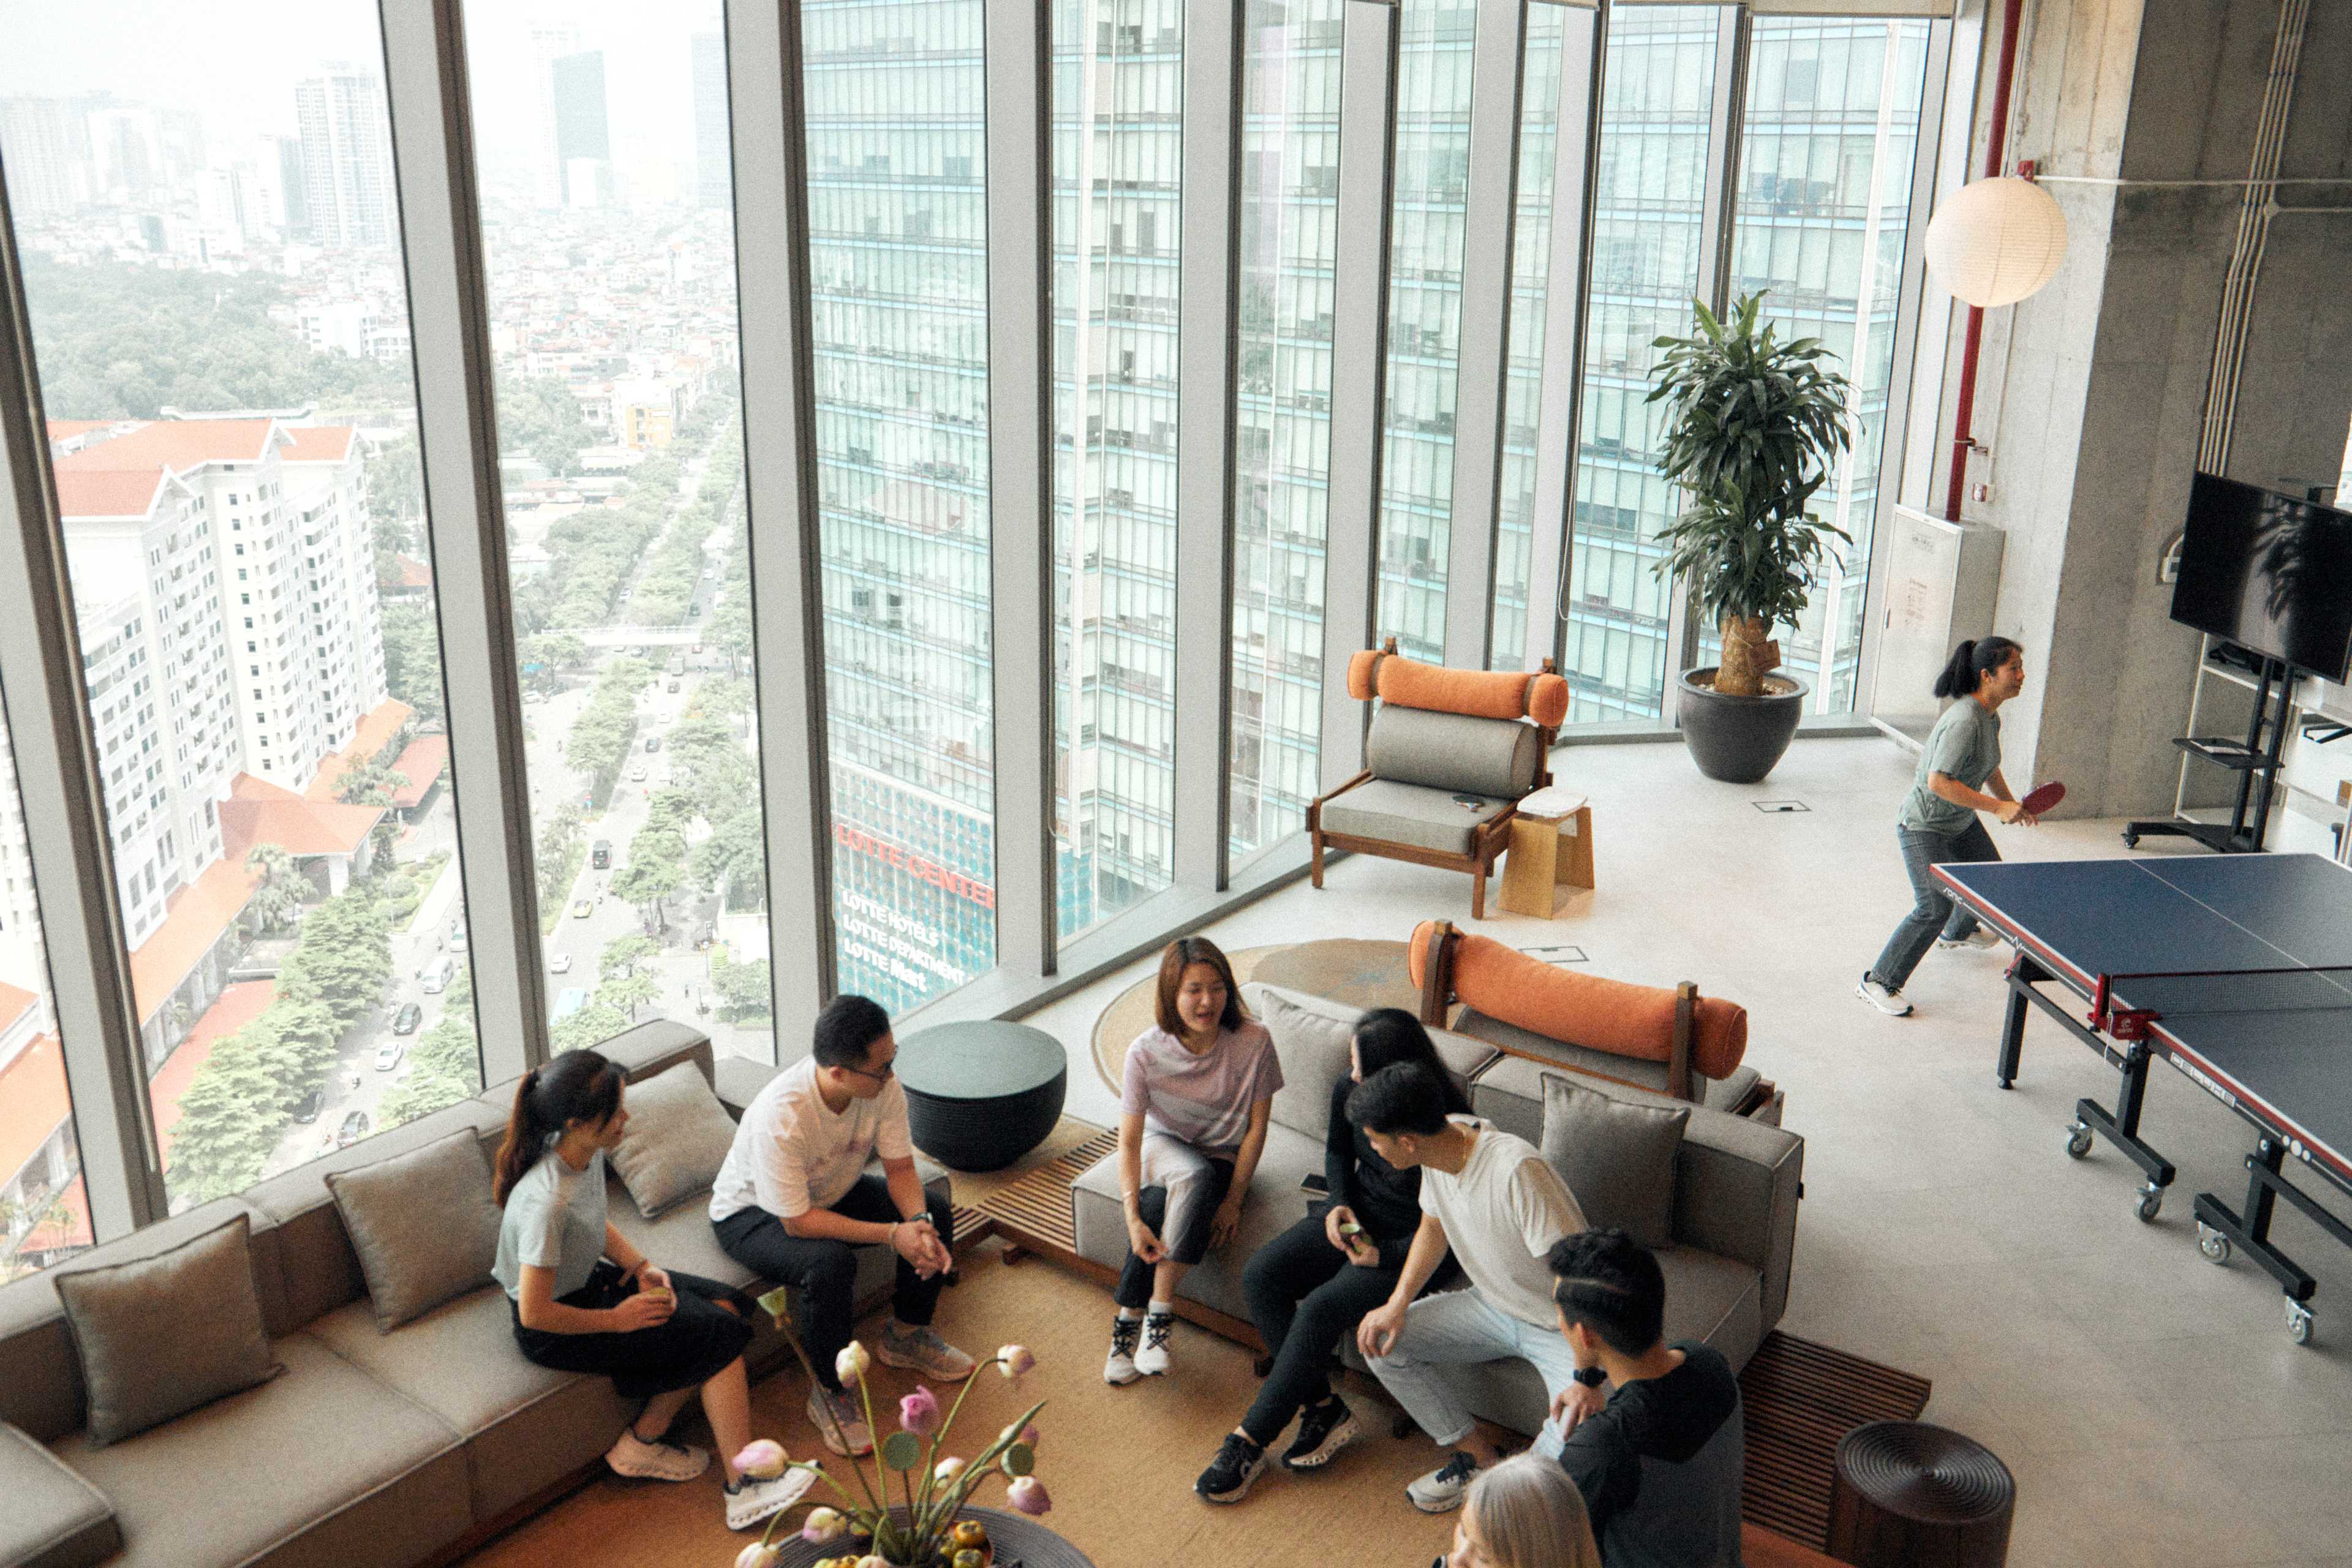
1941,581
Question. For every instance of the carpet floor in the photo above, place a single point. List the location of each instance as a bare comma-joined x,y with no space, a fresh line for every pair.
1118,1462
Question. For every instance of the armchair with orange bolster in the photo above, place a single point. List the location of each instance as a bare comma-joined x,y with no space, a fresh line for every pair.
1450,755
1675,1043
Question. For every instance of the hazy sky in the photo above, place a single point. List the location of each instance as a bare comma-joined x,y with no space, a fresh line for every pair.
237,61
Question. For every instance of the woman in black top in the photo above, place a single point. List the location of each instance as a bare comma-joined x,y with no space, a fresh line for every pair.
1316,1280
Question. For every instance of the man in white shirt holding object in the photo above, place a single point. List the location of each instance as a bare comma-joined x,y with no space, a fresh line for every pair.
1498,1206
793,1201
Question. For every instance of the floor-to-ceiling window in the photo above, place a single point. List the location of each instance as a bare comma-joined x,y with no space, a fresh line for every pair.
1116,86
43,1208
898,206
215,281
1288,246
609,236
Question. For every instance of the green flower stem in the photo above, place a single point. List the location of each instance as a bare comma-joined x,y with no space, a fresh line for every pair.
930,1459
801,1353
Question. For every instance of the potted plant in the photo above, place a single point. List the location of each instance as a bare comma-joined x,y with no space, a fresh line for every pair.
1754,423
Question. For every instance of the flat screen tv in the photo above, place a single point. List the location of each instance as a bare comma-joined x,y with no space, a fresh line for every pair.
2270,572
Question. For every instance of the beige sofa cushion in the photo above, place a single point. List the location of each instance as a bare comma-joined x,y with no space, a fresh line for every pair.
325,1468
1409,814
1311,1035
423,1224
678,1137
52,1517
1616,1156
157,1337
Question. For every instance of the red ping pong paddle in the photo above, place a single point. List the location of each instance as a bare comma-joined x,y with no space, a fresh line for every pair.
2042,797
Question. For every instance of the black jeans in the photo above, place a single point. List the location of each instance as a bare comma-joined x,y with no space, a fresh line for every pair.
1303,1294
1133,1291
700,1339
824,1274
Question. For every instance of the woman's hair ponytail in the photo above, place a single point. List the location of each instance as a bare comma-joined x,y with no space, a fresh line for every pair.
578,1086
1971,663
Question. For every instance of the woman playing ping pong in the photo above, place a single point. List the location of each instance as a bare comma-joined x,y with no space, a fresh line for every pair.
1937,824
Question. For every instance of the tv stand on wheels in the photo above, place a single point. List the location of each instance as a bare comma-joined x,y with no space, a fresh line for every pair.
2255,760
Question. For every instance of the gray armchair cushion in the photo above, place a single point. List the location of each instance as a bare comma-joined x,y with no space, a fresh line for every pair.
54,1518
1412,815
424,1223
678,1137
1453,751
1617,1157
160,1336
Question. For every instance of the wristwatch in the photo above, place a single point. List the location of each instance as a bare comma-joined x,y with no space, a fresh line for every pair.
1591,1376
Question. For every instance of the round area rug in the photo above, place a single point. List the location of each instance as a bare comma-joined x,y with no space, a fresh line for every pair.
1359,974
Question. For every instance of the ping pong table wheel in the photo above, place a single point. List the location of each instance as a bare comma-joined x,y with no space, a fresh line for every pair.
2131,839
2151,1200
2212,1243
2298,1322
2078,1140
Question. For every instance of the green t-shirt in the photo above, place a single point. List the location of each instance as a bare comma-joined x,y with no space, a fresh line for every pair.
1965,744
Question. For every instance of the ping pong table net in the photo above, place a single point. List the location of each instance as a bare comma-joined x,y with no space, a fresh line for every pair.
2132,1025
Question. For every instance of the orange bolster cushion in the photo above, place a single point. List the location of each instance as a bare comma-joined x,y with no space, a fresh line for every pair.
1480,693
1611,1016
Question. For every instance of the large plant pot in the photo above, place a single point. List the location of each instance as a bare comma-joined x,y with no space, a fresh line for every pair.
1738,739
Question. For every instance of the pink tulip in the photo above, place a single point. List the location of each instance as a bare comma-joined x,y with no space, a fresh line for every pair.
919,1412
947,1469
1026,1435
824,1525
759,1554
850,1366
1015,1362
762,1458
1028,1493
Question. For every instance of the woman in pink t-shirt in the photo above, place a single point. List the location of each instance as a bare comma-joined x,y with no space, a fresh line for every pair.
1198,1088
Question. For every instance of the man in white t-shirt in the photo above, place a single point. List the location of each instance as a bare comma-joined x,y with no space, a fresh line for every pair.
793,1201
1492,1201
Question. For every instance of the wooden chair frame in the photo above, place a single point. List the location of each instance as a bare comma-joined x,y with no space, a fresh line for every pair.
1488,841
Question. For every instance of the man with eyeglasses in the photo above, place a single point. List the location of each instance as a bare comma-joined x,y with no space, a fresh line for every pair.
793,1201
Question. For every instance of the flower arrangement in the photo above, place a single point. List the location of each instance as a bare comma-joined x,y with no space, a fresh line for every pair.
921,1530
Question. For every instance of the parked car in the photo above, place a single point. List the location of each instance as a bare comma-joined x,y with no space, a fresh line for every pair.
559,965
307,1109
388,1055
457,936
653,742
673,683
405,1022
435,976
637,773
582,908
600,854
354,1128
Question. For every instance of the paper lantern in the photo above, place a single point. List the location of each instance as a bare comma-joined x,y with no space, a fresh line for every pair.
1996,241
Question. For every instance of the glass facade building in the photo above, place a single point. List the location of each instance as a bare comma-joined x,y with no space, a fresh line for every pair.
722,599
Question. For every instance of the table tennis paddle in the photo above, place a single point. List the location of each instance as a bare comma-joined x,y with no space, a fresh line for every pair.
2042,797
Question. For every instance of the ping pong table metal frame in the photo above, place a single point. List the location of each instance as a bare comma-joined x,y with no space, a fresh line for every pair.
2130,1041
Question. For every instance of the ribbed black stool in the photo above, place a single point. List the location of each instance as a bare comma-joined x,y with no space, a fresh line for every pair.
1908,1495
980,1095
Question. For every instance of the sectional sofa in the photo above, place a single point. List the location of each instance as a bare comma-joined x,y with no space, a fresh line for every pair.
372,1450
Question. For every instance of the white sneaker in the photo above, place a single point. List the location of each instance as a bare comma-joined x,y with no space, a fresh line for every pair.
1887,1001
1441,1490
755,1501
841,1422
1979,938
919,1350
1152,1360
1119,1368
659,1460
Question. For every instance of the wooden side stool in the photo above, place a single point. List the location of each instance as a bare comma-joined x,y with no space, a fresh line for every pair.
1546,855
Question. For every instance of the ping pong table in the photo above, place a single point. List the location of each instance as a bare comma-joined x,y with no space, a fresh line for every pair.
2235,969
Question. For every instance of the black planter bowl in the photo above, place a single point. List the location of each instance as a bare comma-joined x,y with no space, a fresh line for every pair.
1738,739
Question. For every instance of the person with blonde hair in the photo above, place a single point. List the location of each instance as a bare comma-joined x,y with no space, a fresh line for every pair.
1522,1513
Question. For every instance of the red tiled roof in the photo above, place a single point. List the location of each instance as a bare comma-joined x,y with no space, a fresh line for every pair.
421,765
67,429
259,812
107,492
175,444
197,915
237,1007
33,1102
413,573
373,734
14,1000
74,1233
319,442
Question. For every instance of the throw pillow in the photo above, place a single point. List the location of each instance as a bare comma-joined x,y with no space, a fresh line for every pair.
1616,1156
424,1225
678,1137
1311,1037
159,1336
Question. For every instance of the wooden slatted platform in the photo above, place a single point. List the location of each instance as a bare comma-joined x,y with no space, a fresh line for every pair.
1802,1399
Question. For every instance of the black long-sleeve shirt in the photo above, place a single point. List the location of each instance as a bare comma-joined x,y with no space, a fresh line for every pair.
1386,1201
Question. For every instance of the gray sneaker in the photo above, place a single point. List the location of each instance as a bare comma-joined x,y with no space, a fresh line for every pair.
919,1350
1979,938
840,1421
1440,1491
659,1460
1887,1001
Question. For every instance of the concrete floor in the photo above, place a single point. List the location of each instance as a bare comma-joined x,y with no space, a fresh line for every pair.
2151,1404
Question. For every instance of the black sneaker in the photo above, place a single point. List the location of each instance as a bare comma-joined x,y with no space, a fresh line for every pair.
1324,1429
1229,1475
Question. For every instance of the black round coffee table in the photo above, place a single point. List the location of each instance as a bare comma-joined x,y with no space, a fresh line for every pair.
1019,1540
980,1095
